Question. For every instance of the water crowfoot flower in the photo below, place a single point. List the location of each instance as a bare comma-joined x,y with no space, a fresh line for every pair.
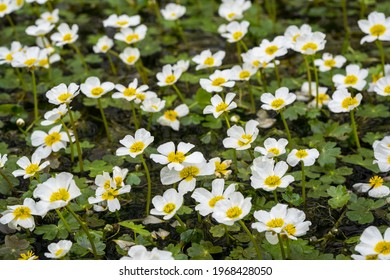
173,11
328,62
219,106
121,21
207,60
373,245
59,249
171,117
235,31
375,187
239,138
167,204
272,147
139,252
53,141
382,154
131,36
17,216
30,168
217,81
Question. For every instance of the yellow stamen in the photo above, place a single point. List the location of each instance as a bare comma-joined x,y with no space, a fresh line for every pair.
169,208
274,151
377,30
234,212
247,138
177,157
271,50
330,63
290,229
67,37
32,169
131,59
52,138
110,194
22,213
30,62
189,172
237,35
132,37
209,61
382,247
97,91
61,194
301,154
3,7
376,181
244,74
310,45
277,103
387,90
350,80
349,102
137,147
122,22
170,79
218,81
128,92
214,200
275,223
221,107
170,115
273,181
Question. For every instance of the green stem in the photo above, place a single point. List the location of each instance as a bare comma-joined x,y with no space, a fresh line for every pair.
239,52
382,54
257,248
227,235
149,195
149,122
21,80
179,93
362,8
182,224
277,73
181,33
307,64
141,71
281,247
113,68
245,47
251,154
303,184
64,221
11,22
85,229
225,114
104,120
276,197
317,83
286,128
76,136
70,140
263,80
252,99
77,50
34,82
346,26
354,129
135,119
6,179
288,248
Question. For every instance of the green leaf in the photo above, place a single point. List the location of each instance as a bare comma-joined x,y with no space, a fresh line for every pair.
340,196
139,229
49,232
358,160
294,111
361,210
373,111
328,153
203,250
220,230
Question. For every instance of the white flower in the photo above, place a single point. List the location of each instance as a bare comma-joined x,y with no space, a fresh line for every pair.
307,156
342,101
187,175
181,65
232,10
131,91
219,106
131,36
139,252
243,73
121,21
309,44
293,32
130,55
207,199
239,138
235,31
134,146
153,105
7,55
323,98
168,76
272,147
175,158
141,96
377,27
45,59
375,187
281,99
51,17
173,11
53,141
328,62
221,167
62,94
382,86
65,34
28,57
270,50
206,59
269,176
235,207
171,117
252,57
58,250
56,192
30,168
3,160
217,81
39,29
355,78
6,7
109,195
373,245
382,154
93,88
17,216
103,45
167,204
119,176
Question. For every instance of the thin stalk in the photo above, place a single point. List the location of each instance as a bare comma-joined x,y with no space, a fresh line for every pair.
76,136
135,119
104,120
11,22
382,54
317,82
286,128
362,8
303,183
112,65
281,247
354,129
276,197
149,122
181,33
288,248
64,221
17,70
6,179
149,195
245,47
307,64
251,97
347,31
227,235
179,93
257,248
251,154
77,50
70,140
263,80
225,114
182,224
141,72
277,73
85,229
34,82
239,52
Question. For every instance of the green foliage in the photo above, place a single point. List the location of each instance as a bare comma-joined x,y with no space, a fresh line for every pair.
361,209
340,196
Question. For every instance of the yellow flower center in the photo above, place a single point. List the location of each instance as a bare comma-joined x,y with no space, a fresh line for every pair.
132,37
43,62
30,62
274,151
330,63
177,157
214,200
350,80
107,184
118,181
256,63
272,181
218,81
234,212
221,107
52,138
231,15
170,79
169,208
3,7
67,37
376,181
310,45
277,103
387,90
173,14
105,47
130,59
301,154
371,257
246,139
28,256
209,61
271,50
64,97
61,194
50,18
32,169
9,57
290,229
275,223
129,92
221,167
137,147
22,213
322,97
388,160
377,30
244,74
295,37
97,91
348,102
140,96
170,115
189,172
110,194
59,252
237,35
121,22
382,247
